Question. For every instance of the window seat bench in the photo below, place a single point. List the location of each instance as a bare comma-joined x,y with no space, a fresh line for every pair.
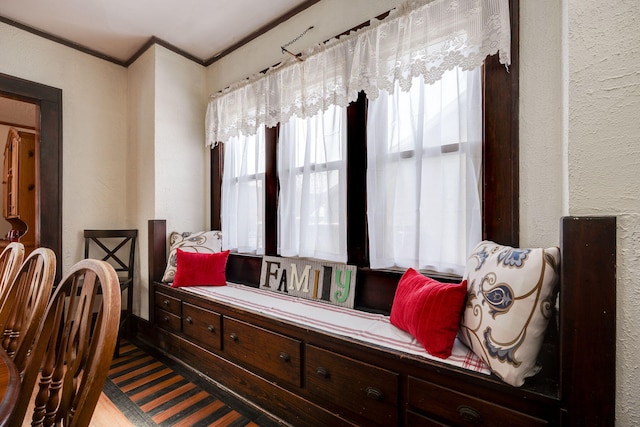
308,363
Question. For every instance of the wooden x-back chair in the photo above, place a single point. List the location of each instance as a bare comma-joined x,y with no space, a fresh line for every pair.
26,298
117,247
66,364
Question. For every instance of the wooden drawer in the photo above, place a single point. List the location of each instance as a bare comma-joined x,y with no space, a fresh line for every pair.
460,409
418,420
361,388
274,354
168,303
166,320
203,326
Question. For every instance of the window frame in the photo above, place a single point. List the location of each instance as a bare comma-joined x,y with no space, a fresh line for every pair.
500,170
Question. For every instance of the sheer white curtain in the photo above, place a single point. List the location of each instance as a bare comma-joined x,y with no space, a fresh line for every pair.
243,187
312,172
424,154
418,38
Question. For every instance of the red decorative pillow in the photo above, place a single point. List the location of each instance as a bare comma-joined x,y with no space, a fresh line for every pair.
198,269
429,310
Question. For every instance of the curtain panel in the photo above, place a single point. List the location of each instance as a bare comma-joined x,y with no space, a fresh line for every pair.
418,39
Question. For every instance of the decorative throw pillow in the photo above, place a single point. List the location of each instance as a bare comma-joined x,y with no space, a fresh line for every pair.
511,294
196,269
201,242
429,310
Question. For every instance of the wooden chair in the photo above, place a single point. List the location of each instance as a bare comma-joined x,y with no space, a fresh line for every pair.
117,247
10,261
26,298
71,353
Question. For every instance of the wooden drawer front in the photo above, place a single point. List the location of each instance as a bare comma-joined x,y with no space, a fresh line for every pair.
272,353
168,303
202,326
418,420
462,409
359,387
167,320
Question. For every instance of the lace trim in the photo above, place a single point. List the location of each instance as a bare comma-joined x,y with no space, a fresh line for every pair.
419,38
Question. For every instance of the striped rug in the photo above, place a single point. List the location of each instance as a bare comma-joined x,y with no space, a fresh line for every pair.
152,390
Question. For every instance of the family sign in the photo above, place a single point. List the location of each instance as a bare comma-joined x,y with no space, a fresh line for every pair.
334,283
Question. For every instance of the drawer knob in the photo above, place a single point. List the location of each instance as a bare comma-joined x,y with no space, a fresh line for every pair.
322,372
374,393
165,319
165,302
211,329
469,414
189,320
284,357
233,337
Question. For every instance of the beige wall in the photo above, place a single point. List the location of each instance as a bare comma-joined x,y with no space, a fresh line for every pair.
328,18
167,105
579,131
141,176
94,117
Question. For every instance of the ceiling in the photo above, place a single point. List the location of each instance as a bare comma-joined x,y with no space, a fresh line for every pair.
118,29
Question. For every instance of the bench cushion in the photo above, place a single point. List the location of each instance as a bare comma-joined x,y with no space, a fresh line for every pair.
371,328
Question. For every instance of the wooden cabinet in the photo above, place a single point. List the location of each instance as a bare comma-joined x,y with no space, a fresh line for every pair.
363,389
458,408
202,326
19,186
274,355
168,312
307,377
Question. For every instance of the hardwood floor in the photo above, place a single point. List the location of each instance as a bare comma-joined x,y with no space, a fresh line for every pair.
107,414
146,388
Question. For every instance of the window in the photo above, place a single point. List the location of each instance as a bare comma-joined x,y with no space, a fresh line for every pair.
424,153
312,175
243,190
498,177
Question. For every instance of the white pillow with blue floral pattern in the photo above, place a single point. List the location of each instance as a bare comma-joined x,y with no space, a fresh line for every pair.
207,242
510,298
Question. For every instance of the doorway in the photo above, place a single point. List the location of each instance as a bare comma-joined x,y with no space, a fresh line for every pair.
49,170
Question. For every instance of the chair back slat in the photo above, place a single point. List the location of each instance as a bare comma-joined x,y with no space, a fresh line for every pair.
26,299
117,247
10,261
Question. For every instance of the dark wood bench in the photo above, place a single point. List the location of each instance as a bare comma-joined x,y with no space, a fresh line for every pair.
373,385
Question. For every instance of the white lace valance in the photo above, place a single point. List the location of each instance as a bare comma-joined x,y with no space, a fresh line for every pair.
419,38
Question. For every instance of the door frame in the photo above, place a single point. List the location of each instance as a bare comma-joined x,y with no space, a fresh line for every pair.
49,128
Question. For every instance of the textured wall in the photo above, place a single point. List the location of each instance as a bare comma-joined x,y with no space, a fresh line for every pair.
604,157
